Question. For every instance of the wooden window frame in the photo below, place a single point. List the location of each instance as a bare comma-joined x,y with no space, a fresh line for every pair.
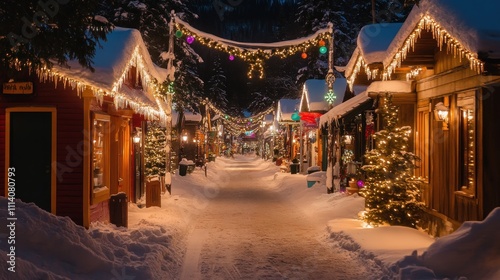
467,144
101,193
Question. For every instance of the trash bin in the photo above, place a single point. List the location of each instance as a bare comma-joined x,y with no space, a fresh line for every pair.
118,212
294,168
183,166
183,169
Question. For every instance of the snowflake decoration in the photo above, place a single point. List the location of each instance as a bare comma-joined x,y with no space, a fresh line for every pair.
330,97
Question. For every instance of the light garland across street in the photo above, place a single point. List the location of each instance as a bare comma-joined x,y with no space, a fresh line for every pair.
254,53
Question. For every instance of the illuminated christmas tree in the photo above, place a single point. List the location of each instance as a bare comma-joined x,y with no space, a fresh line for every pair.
155,155
392,193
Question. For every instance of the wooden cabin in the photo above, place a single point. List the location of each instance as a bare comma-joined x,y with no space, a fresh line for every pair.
69,136
289,123
312,105
191,137
455,71
452,61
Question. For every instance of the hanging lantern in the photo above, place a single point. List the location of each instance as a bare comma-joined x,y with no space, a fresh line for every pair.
323,50
190,39
295,116
178,33
321,43
304,55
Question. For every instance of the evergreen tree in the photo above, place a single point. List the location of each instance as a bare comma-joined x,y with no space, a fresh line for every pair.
35,34
347,17
152,18
216,91
155,155
392,194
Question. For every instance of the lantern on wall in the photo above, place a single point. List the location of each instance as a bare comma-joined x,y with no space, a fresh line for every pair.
441,112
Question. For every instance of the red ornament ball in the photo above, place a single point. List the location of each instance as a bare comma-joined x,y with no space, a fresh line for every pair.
321,43
304,55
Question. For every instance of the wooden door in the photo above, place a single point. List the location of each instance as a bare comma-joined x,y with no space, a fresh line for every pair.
30,152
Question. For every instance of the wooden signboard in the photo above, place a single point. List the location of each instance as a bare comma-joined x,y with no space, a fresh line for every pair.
18,88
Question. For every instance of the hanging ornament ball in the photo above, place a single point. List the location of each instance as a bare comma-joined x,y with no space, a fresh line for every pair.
231,57
178,33
360,183
190,39
323,50
304,55
295,116
321,43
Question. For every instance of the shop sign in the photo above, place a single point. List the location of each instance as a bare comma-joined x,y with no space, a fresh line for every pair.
18,88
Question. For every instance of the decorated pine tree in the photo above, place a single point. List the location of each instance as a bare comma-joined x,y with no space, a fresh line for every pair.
392,193
154,150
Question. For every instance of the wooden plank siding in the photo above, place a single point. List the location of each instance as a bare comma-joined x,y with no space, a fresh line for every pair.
70,136
489,152
452,78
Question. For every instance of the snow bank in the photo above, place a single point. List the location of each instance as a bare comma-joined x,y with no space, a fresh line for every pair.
153,247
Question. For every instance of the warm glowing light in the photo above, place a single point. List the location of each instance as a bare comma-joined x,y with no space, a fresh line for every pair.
136,139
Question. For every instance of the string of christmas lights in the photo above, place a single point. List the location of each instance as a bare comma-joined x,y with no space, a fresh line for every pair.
254,53
443,38
120,100
237,122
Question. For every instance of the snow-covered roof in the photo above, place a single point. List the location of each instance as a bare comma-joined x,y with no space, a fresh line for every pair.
192,117
214,118
475,26
286,107
123,49
394,86
372,43
314,91
344,108
175,117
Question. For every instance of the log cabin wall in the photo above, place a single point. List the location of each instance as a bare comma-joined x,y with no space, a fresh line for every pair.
70,139
490,102
453,81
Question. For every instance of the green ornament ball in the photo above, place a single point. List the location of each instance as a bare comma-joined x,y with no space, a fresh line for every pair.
178,33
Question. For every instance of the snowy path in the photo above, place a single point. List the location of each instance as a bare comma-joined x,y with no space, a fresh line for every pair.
247,231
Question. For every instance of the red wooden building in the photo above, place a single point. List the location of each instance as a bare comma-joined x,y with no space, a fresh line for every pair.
67,132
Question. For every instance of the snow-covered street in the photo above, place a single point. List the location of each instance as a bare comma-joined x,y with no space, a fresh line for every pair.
249,231
244,220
